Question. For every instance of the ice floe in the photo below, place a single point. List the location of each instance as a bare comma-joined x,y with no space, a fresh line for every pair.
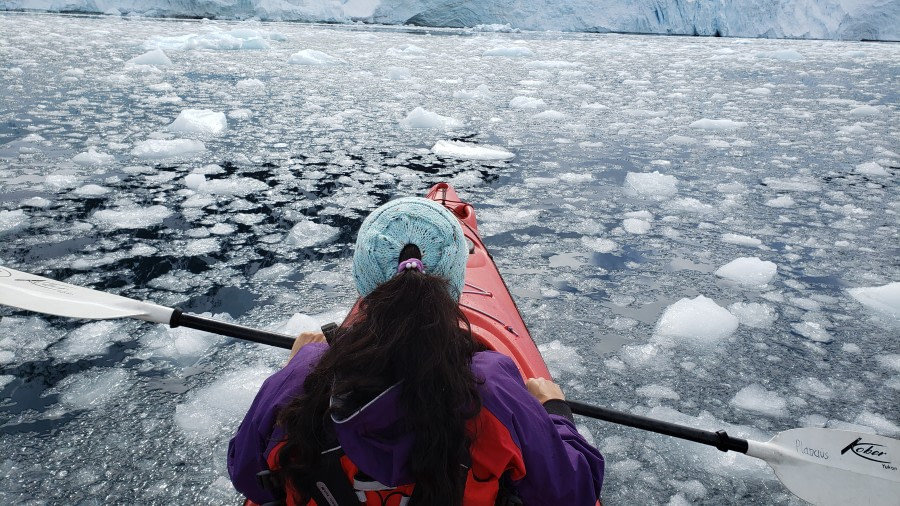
199,121
423,118
750,271
469,151
698,320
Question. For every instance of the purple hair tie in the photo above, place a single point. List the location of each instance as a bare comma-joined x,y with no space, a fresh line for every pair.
410,263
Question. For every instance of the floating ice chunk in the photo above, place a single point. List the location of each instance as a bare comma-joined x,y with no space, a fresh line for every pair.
240,114
658,392
180,343
700,320
781,54
749,271
132,217
91,190
878,422
194,181
717,124
422,118
510,52
753,314
635,226
233,186
815,387
398,73
222,229
562,358
690,205
890,361
217,408
763,92
741,240
480,92
155,57
93,388
199,121
652,184
599,244
202,247
157,149
678,500
865,110
39,202
12,220
882,299
6,379
93,157
681,140
88,340
250,85
782,201
521,102
307,234
315,58
574,178
813,331
469,151
550,115
871,169
272,272
551,65
759,400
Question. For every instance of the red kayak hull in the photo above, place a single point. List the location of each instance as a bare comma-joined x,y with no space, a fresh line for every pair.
486,300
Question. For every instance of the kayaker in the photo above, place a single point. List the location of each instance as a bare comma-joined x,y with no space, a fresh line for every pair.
405,402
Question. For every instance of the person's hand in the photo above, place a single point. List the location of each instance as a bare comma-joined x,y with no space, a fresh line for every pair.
544,390
305,338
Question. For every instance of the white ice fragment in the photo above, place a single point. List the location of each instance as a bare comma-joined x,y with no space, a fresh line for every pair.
562,358
881,299
781,202
741,240
865,110
551,65
91,190
510,52
422,118
39,202
759,400
658,392
250,85
574,178
240,114
651,184
815,387
132,217
550,115
194,181
306,234
599,244
763,92
88,340
12,220
93,388
469,151
181,343
216,409
521,102
890,361
717,124
871,169
156,149
199,121
202,247
878,422
750,271
681,140
813,331
700,320
315,58
635,226
222,229
754,314
93,157
781,54
155,57
398,73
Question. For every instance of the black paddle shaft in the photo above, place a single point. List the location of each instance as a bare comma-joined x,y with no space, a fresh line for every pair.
719,439
180,319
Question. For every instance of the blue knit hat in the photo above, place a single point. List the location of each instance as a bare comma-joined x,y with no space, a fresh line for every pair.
410,220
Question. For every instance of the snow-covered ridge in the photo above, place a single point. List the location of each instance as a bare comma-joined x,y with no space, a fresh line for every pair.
815,19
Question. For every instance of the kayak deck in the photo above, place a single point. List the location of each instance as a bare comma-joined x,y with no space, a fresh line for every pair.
486,301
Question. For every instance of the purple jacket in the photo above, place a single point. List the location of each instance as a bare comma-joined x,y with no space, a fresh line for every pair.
560,467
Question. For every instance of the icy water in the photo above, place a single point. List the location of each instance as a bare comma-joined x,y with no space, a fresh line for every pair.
642,165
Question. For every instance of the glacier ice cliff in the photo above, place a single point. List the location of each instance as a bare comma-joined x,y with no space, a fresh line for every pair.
814,19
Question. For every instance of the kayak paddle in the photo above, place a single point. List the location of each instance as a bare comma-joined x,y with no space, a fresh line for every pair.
42,295
822,466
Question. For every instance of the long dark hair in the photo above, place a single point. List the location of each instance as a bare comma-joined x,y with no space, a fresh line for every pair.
407,330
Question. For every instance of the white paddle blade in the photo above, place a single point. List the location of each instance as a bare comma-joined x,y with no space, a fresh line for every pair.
41,295
834,467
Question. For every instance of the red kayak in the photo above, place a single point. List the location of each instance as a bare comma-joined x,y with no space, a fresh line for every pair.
485,300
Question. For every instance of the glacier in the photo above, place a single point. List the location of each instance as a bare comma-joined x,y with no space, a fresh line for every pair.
805,19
